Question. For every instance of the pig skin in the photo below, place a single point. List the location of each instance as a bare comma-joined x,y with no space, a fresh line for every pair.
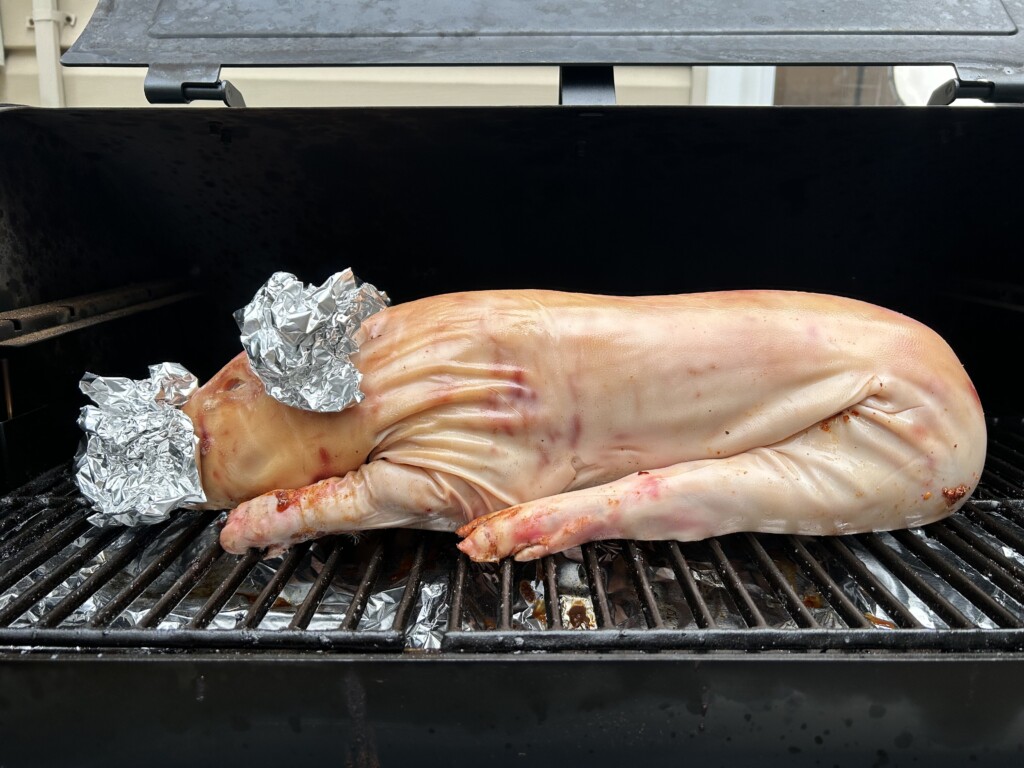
533,421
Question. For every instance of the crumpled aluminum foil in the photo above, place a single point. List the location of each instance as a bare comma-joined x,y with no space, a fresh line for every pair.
299,338
137,462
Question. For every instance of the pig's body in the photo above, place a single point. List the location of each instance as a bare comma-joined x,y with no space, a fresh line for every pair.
533,421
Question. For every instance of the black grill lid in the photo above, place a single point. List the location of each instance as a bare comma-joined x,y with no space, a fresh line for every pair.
187,41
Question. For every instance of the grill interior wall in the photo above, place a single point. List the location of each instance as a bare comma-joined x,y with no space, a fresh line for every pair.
917,210
896,205
913,209
904,207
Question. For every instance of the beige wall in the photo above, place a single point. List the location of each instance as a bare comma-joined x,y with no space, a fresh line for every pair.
317,86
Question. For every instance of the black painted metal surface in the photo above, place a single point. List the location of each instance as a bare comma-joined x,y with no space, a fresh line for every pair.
548,709
981,36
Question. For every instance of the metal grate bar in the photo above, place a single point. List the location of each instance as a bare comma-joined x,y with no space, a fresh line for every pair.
734,585
34,496
637,568
995,475
126,596
185,583
245,563
458,588
986,641
811,566
901,570
1014,514
26,561
1014,452
305,612
277,582
18,545
358,605
44,586
39,527
27,509
100,576
698,607
598,595
1002,531
551,601
901,615
1009,468
193,639
48,482
990,562
412,585
782,587
505,594
957,579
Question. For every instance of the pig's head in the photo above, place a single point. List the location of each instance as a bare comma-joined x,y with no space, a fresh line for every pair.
249,443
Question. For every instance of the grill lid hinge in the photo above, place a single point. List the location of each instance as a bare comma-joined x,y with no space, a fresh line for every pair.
1005,86
185,83
586,86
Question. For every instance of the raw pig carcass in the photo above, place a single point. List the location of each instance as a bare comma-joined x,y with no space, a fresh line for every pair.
533,421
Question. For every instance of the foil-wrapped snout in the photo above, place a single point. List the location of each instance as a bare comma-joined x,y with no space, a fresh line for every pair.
138,459
299,338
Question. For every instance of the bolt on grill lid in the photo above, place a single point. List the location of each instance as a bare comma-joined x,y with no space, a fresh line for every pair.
186,42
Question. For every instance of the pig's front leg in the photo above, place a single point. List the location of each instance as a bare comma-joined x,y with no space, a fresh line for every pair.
380,494
865,469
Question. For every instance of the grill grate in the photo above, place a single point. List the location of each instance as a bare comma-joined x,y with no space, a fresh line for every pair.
956,585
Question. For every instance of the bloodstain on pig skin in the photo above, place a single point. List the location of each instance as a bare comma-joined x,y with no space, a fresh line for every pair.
205,441
574,430
325,466
953,495
285,499
649,487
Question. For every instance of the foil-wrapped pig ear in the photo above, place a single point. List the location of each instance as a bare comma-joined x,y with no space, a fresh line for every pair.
299,338
138,459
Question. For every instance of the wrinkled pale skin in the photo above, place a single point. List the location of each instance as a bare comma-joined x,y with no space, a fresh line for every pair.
533,421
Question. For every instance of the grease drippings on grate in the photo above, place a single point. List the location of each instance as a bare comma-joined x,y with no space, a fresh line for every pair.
62,581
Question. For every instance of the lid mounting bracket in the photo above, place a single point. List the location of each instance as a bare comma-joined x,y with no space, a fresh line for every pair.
586,85
1005,86
185,83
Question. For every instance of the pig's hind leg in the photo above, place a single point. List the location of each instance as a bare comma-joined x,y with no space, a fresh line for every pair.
866,468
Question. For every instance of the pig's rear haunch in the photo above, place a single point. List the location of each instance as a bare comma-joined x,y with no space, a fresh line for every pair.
533,421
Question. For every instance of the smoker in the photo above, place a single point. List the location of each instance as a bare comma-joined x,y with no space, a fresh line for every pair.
128,236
